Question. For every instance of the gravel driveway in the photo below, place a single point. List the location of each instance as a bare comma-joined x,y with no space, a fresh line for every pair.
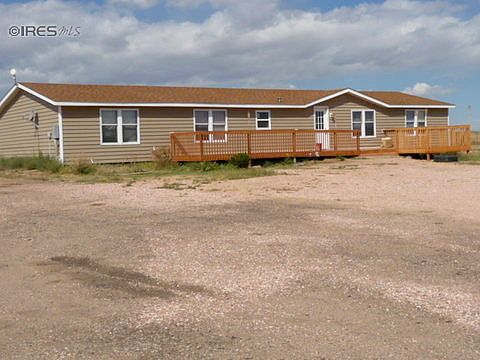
370,258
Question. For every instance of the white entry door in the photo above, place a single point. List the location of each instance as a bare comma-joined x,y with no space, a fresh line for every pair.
321,123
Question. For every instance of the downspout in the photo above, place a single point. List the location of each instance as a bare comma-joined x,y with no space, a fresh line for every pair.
60,134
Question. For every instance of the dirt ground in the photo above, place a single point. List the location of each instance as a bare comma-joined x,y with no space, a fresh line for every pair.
373,258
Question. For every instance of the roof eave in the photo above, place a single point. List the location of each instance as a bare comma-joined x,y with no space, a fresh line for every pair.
273,106
207,105
444,106
37,94
11,93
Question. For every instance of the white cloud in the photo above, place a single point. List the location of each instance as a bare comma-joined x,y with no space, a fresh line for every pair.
424,89
238,44
142,4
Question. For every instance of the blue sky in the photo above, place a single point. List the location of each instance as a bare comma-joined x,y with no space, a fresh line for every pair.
430,48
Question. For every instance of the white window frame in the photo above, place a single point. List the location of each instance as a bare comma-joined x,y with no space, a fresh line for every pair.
362,133
119,127
210,122
269,120
415,121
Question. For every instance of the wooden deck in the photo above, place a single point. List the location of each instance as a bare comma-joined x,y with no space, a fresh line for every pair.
431,140
258,144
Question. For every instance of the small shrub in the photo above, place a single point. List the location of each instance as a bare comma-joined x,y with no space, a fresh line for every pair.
240,161
83,166
161,157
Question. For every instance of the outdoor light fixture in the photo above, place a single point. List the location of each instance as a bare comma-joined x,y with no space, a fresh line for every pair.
13,72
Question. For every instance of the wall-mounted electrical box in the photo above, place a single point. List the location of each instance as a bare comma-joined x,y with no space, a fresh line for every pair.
55,134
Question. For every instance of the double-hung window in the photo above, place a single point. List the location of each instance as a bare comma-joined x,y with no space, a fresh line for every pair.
210,120
263,120
364,121
415,118
119,126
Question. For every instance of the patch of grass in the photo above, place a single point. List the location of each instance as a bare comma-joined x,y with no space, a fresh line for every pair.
175,186
278,163
128,173
130,182
204,166
233,173
472,157
41,163
345,167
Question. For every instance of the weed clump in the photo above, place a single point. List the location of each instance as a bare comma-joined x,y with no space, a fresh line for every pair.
83,166
162,158
240,161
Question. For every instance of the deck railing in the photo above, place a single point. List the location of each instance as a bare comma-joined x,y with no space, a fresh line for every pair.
430,140
475,137
222,145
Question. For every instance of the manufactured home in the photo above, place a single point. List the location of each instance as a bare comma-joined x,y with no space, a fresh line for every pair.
118,123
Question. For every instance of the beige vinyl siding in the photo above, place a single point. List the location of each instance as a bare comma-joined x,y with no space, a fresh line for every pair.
342,106
81,126
245,119
241,119
18,137
292,118
437,117
81,129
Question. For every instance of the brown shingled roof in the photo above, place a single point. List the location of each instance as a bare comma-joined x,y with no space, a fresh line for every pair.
399,98
79,93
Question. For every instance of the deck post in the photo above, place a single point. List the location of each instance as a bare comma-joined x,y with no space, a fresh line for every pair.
201,147
397,138
427,145
294,145
468,138
249,144
172,146
294,142
357,134
335,146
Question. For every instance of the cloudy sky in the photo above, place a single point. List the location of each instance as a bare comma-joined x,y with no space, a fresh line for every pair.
429,48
